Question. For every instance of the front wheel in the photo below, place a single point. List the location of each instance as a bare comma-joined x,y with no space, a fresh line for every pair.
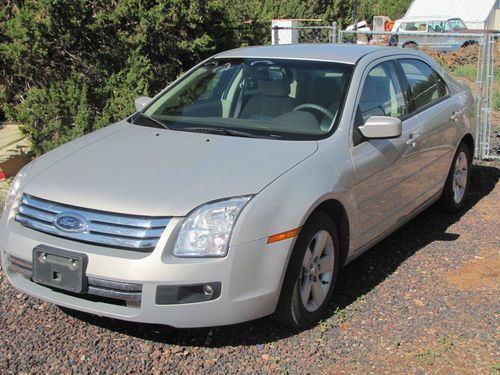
456,187
311,275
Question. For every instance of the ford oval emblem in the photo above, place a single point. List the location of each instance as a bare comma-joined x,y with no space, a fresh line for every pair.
69,222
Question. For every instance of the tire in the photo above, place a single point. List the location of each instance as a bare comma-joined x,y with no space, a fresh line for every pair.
468,43
456,188
311,277
411,45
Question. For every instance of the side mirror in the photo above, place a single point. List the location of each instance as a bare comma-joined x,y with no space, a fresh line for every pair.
141,102
381,127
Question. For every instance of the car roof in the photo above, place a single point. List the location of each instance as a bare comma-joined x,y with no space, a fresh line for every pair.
435,18
343,53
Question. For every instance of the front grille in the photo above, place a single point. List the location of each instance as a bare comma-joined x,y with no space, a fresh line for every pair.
104,228
116,290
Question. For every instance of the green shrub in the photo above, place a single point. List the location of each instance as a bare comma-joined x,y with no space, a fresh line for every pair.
56,114
468,72
70,66
496,99
123,87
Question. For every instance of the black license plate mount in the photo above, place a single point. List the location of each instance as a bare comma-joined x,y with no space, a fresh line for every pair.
61,269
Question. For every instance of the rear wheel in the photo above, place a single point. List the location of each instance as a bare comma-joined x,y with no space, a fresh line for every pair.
468,43
311,275
411,45
456,187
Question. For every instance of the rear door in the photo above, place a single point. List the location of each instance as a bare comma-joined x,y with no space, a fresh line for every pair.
386,169
437,112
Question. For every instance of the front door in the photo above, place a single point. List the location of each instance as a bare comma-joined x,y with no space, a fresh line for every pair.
386,169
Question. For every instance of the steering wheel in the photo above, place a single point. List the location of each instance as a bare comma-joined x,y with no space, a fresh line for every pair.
317,107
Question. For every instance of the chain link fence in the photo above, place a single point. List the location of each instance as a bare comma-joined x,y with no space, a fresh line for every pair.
304,34
469,57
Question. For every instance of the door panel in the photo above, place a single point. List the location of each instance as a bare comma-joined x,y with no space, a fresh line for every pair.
439,132
386,180
437,111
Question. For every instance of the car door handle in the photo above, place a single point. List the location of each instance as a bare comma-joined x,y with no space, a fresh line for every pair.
413,139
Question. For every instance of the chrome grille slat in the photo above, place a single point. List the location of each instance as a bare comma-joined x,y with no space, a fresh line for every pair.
24,271
125,231
108,229
21,266
37,214
21,262
116,294
117,285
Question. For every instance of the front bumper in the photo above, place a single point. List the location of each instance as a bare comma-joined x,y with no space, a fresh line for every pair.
250,277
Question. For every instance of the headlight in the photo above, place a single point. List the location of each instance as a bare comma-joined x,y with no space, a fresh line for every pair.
14,187
207,230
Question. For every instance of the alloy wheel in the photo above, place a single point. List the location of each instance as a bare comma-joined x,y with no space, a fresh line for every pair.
317,271
460,174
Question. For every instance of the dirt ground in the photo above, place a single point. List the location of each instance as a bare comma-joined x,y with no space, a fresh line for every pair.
425,300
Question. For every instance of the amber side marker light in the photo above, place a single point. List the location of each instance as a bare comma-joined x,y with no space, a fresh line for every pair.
283,236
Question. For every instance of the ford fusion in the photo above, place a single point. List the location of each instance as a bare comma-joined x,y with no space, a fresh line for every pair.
241,189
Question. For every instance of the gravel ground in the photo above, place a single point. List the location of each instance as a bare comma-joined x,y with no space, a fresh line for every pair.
425,300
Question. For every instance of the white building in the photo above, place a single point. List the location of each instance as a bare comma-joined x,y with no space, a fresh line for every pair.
477,14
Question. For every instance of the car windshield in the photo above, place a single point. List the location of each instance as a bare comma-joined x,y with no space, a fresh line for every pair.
283,99
457,24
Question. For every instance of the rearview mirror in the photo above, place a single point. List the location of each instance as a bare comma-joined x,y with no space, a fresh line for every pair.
381,127
141,102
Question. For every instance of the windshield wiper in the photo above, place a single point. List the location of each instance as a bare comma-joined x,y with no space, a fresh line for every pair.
222,131
151,120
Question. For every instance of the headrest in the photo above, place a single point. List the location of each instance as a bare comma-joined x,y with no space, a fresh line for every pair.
274,88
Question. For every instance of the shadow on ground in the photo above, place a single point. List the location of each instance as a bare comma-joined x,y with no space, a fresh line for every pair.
357,279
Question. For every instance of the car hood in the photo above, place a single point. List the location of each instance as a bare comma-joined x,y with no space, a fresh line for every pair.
146,171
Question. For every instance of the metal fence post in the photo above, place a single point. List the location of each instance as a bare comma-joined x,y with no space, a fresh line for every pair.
334,32
490,93
487,101
480,98
493,148
274,35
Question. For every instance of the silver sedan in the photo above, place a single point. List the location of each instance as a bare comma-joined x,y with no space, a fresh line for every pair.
241,189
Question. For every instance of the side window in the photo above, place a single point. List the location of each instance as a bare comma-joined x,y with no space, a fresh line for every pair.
436,26
425,84
414,26
381,94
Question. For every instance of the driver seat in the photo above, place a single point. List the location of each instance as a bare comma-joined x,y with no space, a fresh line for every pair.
272,101
326,93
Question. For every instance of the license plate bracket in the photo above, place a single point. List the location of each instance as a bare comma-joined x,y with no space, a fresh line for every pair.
61,269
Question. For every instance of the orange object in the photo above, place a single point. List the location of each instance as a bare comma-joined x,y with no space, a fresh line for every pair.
388,25
283,236
2,176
